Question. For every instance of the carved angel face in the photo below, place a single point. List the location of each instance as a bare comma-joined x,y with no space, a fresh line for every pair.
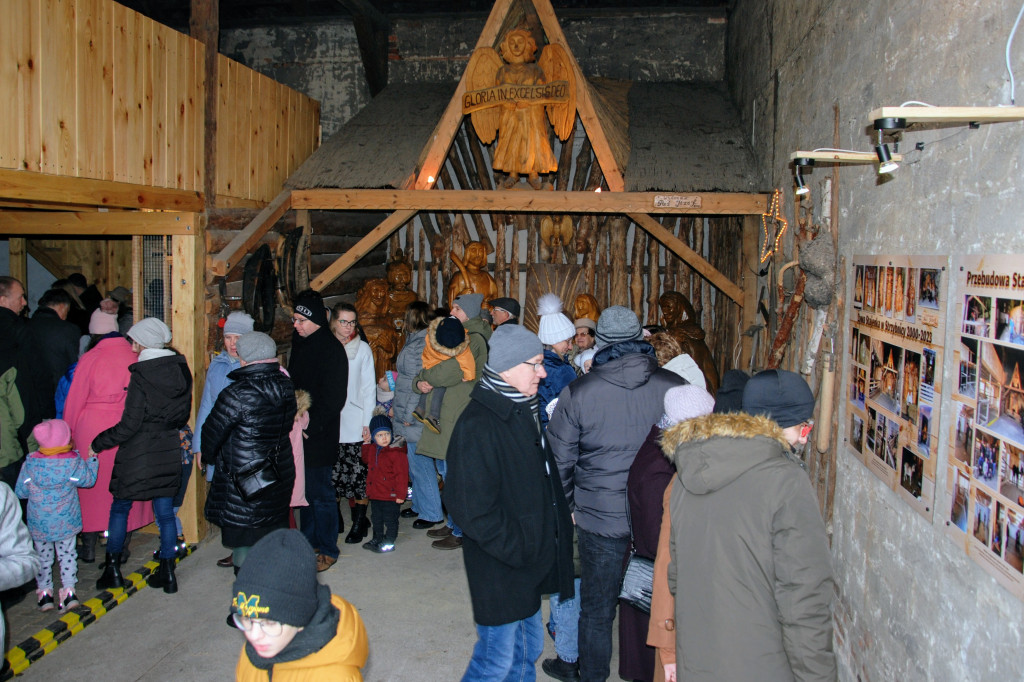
518,46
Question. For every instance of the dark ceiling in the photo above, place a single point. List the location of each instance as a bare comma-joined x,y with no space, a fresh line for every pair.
241,13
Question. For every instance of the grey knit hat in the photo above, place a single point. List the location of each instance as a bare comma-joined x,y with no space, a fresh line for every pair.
470,304
511,344
238,323
617,324
150,333
256,346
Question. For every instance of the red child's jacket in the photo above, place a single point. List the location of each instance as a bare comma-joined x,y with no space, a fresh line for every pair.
387,472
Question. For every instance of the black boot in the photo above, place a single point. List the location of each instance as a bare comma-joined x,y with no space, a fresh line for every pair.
164,577
88,553
360,525
111,577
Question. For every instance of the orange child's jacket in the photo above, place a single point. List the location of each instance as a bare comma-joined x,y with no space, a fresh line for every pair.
435,353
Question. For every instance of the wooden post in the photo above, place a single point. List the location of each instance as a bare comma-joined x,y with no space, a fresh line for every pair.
189,329
748,280
653,279
19,262
204,26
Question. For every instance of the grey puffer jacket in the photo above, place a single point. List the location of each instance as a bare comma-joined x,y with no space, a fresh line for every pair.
750,562
408,365
600,422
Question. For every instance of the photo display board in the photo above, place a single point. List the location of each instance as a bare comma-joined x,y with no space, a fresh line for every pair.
985,480
895,371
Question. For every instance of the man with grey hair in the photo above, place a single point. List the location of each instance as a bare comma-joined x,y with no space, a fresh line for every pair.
600,422
501,489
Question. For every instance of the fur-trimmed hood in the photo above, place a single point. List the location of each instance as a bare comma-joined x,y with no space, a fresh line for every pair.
711,451
303,401
439,347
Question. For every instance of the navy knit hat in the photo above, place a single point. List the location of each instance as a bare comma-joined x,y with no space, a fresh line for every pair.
450,332
782,396
278,580
379,423
730,393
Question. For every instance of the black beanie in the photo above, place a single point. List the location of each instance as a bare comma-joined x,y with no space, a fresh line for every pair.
379,422
278,580
310,305
450,332
730,394
782,396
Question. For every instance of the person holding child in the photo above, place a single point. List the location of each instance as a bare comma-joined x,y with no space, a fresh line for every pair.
49,480
387,483
446,338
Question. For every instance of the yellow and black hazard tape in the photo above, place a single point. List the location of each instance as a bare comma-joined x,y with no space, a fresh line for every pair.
20,657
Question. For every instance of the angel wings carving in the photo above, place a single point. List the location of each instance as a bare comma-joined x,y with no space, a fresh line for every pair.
508,96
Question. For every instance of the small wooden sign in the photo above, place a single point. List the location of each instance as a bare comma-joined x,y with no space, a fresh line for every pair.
677,201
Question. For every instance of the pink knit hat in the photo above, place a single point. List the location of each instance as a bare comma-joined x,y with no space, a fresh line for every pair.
685,402
102,323
52,433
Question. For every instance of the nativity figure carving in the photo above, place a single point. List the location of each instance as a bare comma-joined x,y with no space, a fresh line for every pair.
377,325
680,320
471,277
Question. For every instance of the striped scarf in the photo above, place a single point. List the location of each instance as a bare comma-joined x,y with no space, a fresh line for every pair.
493,382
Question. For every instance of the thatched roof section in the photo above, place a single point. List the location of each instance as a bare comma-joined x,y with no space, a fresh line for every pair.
380,146
686,137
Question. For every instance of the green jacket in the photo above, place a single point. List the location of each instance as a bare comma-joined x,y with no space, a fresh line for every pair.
12,414
449,375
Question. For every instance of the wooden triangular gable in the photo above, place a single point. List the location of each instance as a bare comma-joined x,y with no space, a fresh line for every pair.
504,15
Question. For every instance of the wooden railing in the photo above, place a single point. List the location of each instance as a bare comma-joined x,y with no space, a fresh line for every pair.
91,89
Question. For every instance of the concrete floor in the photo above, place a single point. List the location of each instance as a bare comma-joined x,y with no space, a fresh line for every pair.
414,602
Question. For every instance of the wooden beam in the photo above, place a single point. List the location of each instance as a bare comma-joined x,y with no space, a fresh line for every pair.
204,26
188,329
43,257
27,186
748,259
436,151
613,174
692,258
222,262
372,28
518,201
827,156
963,115
365,245
92,224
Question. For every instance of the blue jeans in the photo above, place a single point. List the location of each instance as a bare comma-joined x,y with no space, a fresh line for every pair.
565,621
442,468
319,521
426,499
601,564
117,527
507,652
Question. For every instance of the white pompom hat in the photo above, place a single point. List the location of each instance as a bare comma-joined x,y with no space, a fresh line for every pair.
554,326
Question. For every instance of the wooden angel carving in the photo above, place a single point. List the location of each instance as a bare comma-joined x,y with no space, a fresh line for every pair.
553,236
509,96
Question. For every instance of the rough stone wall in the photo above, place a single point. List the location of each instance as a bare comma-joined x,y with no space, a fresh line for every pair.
911,605
323,60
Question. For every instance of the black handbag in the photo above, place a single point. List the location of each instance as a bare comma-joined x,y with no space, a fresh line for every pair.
638,578
254,479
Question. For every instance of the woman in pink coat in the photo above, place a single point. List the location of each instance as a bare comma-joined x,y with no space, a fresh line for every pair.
95,402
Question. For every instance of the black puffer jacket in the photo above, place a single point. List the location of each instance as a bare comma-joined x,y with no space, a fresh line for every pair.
250,422
157,407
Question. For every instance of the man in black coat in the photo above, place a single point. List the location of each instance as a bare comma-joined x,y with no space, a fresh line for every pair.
18,350
56,339
319,365
503,491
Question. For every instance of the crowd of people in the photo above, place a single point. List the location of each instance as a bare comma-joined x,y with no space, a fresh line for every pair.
551,460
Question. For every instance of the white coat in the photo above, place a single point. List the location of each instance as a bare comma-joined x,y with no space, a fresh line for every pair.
362,392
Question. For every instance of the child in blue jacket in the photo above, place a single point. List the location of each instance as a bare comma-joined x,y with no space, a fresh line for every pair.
48,480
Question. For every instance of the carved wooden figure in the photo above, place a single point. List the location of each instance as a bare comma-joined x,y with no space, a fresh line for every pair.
680,320
384,339
585,305
471,278
554,234
507,96
399,295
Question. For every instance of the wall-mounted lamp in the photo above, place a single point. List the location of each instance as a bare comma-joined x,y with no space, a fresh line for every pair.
898,118
798,165
807,158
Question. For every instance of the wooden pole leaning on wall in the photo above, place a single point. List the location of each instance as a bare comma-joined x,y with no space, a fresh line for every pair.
362,247
221,263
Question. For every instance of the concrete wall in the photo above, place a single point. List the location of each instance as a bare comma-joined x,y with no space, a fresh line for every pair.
911,605
323,60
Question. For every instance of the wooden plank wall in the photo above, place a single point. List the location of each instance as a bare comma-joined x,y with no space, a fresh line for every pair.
91,89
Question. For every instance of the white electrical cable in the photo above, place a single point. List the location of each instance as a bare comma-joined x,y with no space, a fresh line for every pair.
1009,68
829,149
916,103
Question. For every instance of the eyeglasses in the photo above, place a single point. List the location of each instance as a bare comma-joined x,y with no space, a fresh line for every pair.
299,320
271,628
537,366
805,428
347,323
